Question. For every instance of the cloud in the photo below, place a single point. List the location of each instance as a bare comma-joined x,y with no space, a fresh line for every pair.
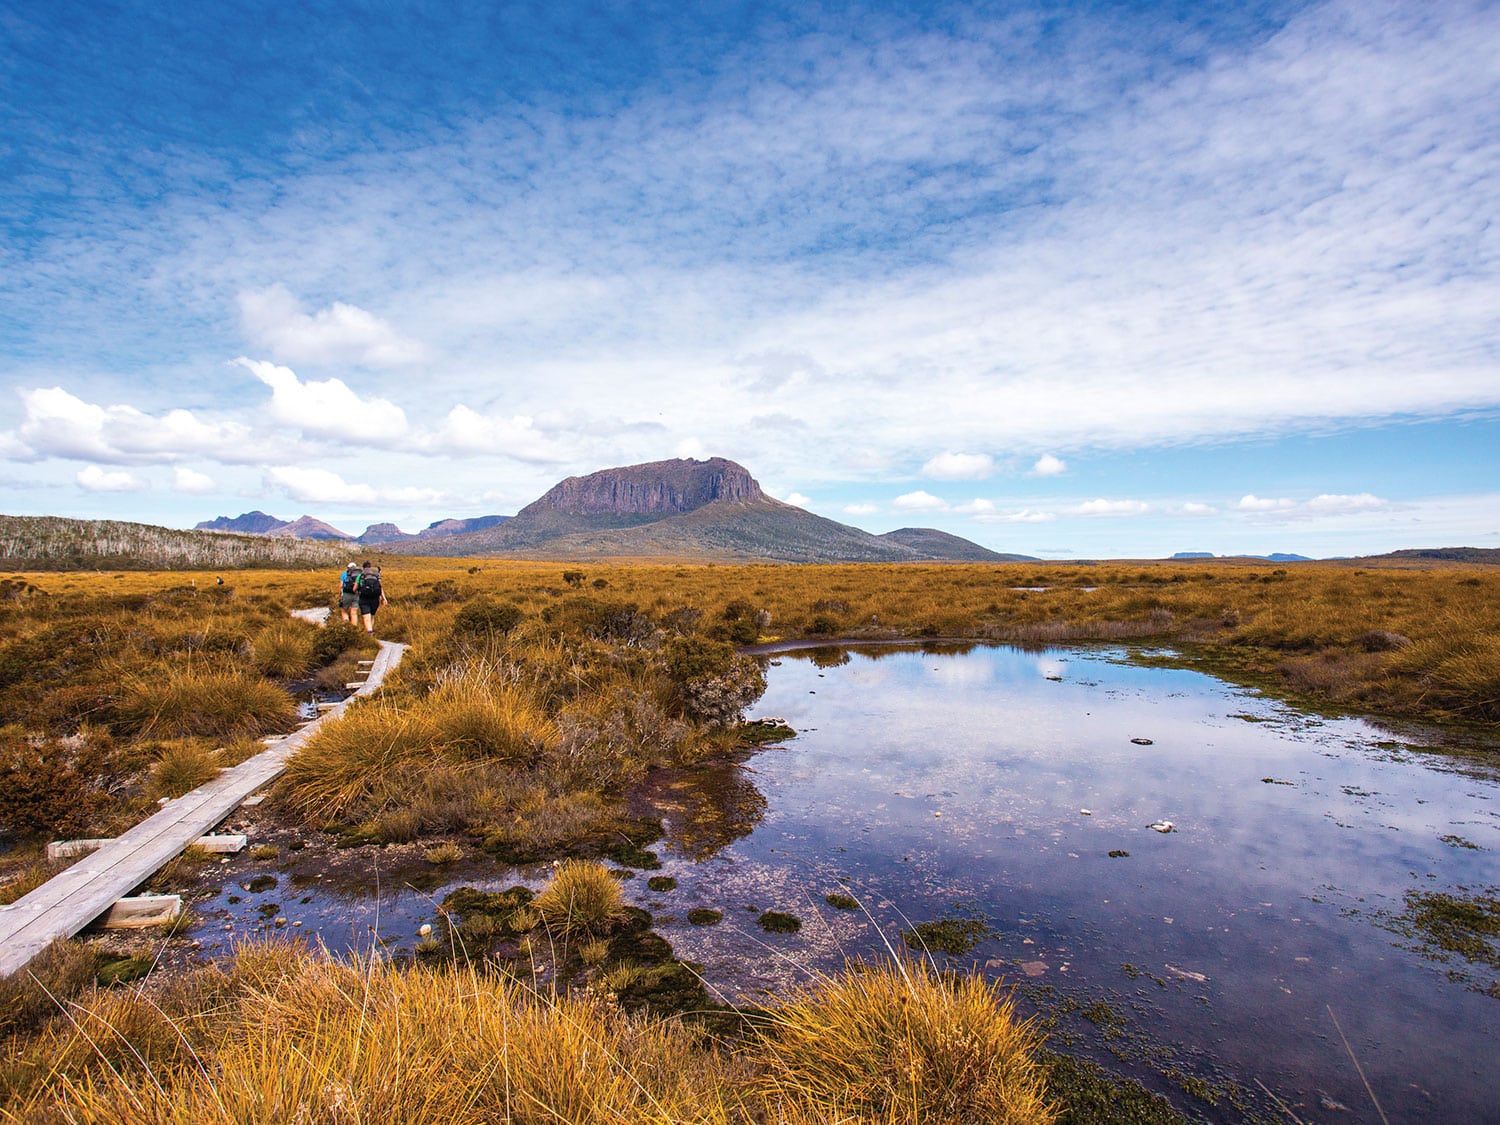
95,479
959,466
191,481
861,509
1252,503
328,408
323,486
1048,466
272,318
1336,505
796,499
59,424
690,447
466,431
920,501
975,507
1103,507
1023,515
1194,508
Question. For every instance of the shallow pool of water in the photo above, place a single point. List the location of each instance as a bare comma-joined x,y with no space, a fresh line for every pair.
1242,947
996,783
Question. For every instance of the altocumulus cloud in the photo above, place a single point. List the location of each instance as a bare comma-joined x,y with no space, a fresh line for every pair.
1102,507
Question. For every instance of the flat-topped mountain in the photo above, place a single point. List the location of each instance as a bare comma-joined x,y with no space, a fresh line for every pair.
685,508
658,488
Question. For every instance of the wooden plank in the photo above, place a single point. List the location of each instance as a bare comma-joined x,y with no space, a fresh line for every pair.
141,911
72,899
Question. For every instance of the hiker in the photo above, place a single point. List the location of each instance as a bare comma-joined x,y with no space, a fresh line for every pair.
349,594
371,596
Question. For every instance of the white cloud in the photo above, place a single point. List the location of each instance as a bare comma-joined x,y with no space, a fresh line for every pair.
467,431
1048,466
976,507
796,499
1336,505
690,447
95,479
328,408
323,486
59,424
861,509
191,481
1252,503
1023,515
920,501
1103,507
1194,508
959,466
273,319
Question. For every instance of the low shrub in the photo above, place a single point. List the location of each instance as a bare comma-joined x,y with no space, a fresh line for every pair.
485,617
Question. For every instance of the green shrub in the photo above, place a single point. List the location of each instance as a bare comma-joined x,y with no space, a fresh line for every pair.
485,617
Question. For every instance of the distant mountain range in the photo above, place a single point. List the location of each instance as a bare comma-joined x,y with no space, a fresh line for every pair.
684,508
1277,557
306,527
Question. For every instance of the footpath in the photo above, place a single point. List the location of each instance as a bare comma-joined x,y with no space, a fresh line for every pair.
96,884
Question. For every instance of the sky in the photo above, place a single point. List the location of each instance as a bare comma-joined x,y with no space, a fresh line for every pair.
1070,280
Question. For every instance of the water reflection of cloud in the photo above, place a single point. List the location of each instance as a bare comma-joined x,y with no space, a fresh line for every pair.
1051,667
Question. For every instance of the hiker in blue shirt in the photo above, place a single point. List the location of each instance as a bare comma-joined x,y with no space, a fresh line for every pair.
349,594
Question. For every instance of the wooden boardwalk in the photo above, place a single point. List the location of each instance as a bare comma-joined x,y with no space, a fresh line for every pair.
72,899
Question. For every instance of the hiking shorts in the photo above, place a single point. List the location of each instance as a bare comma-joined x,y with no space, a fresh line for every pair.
369,605
348,601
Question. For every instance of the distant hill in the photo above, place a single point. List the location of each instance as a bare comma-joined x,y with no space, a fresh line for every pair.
940,544
1193,555
58,543
250,523
1484,556
685,508
305,527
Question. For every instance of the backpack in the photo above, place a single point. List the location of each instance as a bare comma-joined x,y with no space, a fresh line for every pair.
369,585
349,583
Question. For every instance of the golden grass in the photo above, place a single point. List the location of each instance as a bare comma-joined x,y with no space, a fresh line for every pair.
890,1043
286,1035
583,898
186,700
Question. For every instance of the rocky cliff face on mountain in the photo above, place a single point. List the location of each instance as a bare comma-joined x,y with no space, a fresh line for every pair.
658,487
250,523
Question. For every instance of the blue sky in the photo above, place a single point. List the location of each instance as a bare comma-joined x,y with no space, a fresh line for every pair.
1100,280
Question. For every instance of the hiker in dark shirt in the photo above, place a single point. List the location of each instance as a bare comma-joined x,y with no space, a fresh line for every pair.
371,595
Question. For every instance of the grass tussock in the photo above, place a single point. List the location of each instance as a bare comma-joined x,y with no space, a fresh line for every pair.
582,898
284,1034
181,766
193,700
892,1043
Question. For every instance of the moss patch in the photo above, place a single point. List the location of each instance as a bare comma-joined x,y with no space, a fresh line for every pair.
662,883
776,922
954,936
1447,926
841,901
702,916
